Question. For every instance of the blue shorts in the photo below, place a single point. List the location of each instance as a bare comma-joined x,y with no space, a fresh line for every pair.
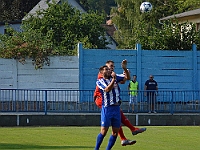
110,116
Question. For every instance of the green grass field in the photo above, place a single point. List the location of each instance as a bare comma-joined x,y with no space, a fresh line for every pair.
84,138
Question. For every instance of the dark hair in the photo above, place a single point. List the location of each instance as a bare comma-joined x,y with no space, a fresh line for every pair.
109,61
102,67
134,75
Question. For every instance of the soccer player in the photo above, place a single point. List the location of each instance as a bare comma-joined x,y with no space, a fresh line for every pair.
124,120
110,111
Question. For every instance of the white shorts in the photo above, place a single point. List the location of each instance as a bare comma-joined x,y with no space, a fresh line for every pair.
133,99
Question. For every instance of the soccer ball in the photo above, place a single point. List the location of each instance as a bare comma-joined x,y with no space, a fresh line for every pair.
145,7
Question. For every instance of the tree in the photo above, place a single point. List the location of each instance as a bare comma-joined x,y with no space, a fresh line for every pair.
134,26
54,31
15,9
101,6
172,35
188,5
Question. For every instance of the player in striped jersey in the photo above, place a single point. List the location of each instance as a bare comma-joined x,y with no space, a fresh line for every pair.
124,120
110,111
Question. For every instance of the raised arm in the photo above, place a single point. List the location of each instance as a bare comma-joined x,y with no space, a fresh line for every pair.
126,71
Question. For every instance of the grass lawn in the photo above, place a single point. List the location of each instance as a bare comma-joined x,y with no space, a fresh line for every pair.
84,138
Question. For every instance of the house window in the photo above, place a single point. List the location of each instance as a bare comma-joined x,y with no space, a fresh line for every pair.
198,26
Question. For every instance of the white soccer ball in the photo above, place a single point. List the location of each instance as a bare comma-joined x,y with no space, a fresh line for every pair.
145,7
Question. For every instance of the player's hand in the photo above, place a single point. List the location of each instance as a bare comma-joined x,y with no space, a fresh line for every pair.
124,64
113,75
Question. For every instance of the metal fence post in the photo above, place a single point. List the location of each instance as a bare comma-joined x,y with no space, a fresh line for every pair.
45,102
172,106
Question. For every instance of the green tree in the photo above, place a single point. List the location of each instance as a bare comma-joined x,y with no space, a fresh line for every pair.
134,26
54,31
172,35
102,6
186,5
15,9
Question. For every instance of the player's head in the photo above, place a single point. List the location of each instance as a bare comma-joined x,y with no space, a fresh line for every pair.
110,65
105,71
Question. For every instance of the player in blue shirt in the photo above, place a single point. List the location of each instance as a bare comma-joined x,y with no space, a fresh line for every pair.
110,112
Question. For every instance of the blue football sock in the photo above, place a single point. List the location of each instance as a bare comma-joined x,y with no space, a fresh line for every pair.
99,141
111,142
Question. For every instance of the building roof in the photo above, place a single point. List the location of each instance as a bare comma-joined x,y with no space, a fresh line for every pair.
43,5
110,29
184,14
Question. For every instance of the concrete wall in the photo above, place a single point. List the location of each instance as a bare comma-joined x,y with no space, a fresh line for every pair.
63,73
94,119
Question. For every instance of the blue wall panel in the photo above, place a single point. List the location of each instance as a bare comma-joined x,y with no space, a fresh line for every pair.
173,70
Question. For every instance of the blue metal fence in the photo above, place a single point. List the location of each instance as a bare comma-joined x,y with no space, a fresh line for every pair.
64,101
